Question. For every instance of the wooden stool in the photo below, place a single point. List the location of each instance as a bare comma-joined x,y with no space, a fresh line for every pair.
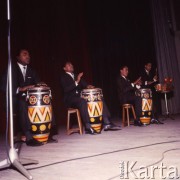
125,112
71,130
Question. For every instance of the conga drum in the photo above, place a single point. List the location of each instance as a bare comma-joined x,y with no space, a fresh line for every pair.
147,103
40,112
94,106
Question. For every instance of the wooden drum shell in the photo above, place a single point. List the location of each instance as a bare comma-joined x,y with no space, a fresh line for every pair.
40,112
94,106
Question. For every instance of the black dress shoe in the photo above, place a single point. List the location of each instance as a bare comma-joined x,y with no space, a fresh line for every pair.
51,140
155,121
33,142
111,127
160,122
90,131
137,123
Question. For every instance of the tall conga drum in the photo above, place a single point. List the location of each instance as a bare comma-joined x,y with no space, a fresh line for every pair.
40,112
147,103
94,106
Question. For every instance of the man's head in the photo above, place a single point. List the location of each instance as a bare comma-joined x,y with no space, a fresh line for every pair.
148,66
68,67
124,71
23,57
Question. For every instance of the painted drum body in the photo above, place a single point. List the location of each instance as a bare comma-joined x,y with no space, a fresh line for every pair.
147,104
94,106
40,112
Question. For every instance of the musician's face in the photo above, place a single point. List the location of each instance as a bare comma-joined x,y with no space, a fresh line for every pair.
24,57
148,66
69,68
124,72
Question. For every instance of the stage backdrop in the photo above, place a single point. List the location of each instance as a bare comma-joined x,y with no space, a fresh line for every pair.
97,36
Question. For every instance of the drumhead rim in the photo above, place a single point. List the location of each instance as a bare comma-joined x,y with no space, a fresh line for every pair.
38,88
91,90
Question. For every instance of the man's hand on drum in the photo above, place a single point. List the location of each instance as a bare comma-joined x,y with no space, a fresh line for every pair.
150,82
41,84
90,87
25,88
138,81
79,77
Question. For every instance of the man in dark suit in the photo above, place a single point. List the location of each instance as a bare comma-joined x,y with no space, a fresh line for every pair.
72,85
149,80
126,92
23,78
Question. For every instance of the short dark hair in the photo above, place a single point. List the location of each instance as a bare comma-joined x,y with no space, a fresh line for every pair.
147,62
67,62
18,52
123,66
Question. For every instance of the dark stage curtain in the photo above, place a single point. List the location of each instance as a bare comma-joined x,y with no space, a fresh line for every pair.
166,52
120,33
53,32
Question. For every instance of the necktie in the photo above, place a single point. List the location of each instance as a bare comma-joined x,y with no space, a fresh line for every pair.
24,72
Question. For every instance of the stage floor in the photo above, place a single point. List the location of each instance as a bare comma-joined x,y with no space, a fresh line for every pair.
148,152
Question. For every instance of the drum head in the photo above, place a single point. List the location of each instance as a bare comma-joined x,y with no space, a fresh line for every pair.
41,88
93,90
144,90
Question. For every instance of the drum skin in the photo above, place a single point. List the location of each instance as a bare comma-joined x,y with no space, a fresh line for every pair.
94,106
40,112
147,103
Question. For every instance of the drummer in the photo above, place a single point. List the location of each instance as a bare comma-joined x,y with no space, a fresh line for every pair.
23,77
72,85
149,80
126,92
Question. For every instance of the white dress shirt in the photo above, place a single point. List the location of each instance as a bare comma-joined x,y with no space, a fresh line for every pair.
24,73
72,75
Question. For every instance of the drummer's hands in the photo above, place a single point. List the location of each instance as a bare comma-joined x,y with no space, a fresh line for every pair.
41,84
150,82
155,78
138,81
25,88
79,77
90,86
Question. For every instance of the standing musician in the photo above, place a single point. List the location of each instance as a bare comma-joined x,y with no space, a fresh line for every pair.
126,92
72,85
149,80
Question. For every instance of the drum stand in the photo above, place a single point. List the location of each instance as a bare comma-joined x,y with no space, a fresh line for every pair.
167,114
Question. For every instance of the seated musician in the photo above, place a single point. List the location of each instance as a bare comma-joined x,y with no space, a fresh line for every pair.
149,80
126,92
23,77
72,85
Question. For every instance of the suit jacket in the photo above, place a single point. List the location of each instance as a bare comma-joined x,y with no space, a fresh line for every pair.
125,89
70,89
18,80
147,77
